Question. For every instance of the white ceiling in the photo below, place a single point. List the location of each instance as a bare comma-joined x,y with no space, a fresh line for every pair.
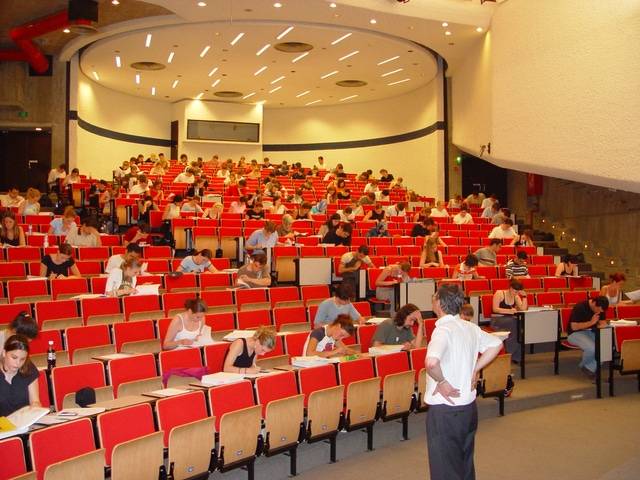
237,64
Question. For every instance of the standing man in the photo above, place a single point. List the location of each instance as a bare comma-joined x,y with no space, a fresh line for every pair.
452,370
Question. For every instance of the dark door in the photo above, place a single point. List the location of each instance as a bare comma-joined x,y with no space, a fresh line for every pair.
483,176
174,139
25,159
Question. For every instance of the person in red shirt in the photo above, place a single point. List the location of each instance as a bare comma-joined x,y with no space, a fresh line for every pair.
138,234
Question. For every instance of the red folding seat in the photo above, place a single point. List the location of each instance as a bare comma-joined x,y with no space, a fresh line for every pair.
215,280
175,411
251,295
40,344
128,332
531,284
316,378
58,310
355,371
418,358
174,302
214,356
12,270
141,304
294,343
60,442
23,254
12,462
184,282
85,337
377,241
230,398
287,315
156,266
627,311
365,336
363,308
571,298
93,253
95,307
538,270
30,290
71,378
129,369
250,319
554,283
312,251
9,311
435,272
220,322
182,358
385,250
486,304
487,272
473,286
275,387
580,283
67,287
283,294
98,285
626,333
391,363
542,259
217,298
157,252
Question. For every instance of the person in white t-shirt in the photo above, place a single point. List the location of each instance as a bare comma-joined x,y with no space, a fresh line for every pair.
504,231
463,217
185,177
453,366
56,174
140,188
439,210
115,261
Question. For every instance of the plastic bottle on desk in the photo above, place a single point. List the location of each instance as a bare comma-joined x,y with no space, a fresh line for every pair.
51,356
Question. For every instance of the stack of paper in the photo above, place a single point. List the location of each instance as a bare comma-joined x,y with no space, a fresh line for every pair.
623,323
633,296
376,320
166,392
385,349
147,289
312,361
19,421
221,378
230,337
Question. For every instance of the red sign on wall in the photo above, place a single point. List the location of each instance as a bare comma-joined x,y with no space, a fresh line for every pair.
534,184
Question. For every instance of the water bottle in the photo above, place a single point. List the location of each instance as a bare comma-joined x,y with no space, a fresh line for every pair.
30,229
51,356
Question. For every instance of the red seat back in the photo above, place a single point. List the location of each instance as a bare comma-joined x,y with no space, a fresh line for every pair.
365,336
286,315
136,367
626,333
294,343
71,378
214,356
316,378
12,461
392,363
182,358
124,424
175,411
229,398
87,336
355,370
250,319
275,387
133,332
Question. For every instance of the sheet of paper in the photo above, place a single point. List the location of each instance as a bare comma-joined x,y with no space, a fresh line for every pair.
81,412
239,334
115,356
165,392
634,296
149,289
221,378
376,320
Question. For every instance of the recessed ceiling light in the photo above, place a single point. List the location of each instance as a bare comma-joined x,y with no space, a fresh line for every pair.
115,2
277,5
338,40
215,84
284,32
389,60
66,30
348,55
373,21
332,5
399,81
138,78
118,61
260,70
392,72
447,33
147,42
281,77
327,75
300,57
199,96
202,4
445,24
95,75
175,83
302,94
237,39
275,89
153,90
315,101
479,29
263,49
38,129
204,51
348,98
170,58
248,95
213,71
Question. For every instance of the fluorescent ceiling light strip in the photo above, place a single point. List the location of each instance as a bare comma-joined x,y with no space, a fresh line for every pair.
284,32
118,61
260,70
237,39
214,84
277,79
138,78
170,58
311,103
327,75
275,89
153,90
147,42
343,37
389,60
175,83
392,72
95,75
204,51
303,93
399,81
263,49
300,57
248,95
213,71
199,96
355,52
348,98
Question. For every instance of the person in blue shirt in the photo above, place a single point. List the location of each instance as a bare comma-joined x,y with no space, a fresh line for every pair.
266,237
198,262
339,304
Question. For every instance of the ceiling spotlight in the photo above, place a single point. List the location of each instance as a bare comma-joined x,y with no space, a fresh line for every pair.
215,84
95,75
332,5
199,96
300,57
213,71
373,21
202,4
38,129
147,42
66,30
399,81
284,32
327,75
302,94
115,2
170,58
281,77
153,90
175,83
277,5
275,89
348,98
260,70
447,33
138,78
311,103
248,95
355,52
338,40
263,49
204,51
479,29
389,60
445,24
118,61
237,39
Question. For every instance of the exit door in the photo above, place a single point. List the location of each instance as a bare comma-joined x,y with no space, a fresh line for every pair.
25,159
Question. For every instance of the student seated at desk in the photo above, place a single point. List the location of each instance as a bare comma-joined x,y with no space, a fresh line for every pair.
398,330
115,261
122,281
506,303
585,318
243,352
266,237
18,377
255,273
339,304
388,278
188,329
198,262
60,264
23,324
326,341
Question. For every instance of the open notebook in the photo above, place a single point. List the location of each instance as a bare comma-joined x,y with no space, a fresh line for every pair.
20,420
